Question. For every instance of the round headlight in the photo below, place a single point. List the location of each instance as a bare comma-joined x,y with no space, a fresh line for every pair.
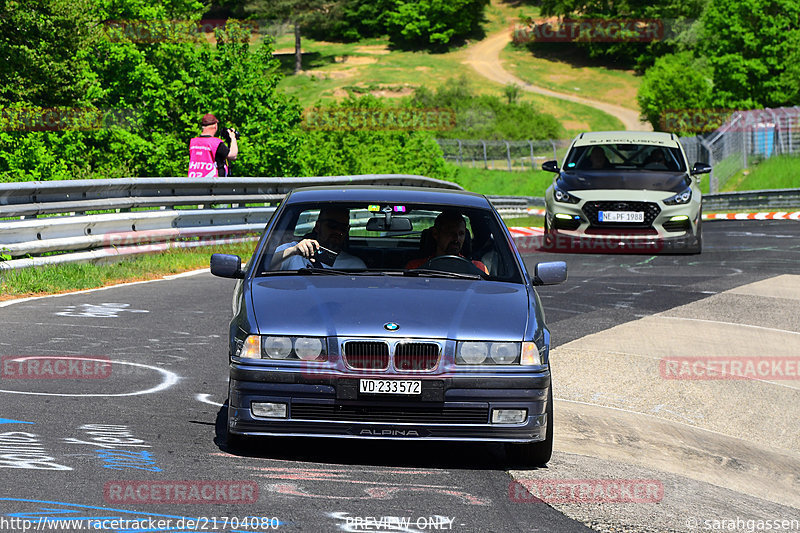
504,353
278,347
307,348
686,196
561,196
474,353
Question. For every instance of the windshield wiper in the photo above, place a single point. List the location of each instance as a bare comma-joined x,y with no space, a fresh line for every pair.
318,270
439,274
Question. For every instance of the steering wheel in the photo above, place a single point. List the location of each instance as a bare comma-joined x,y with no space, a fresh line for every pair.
453,263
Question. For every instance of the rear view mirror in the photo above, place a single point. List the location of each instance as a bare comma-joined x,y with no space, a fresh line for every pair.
550,166
701,168
551,273
226,266
394,224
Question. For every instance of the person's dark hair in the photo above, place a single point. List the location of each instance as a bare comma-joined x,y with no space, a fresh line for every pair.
448,216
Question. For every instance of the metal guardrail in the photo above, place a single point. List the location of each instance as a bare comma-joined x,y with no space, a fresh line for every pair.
145,215
772,200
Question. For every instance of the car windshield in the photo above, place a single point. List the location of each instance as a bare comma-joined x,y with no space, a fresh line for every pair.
389,239
648,157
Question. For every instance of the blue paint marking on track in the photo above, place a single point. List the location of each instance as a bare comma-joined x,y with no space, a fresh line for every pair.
51,515
12,421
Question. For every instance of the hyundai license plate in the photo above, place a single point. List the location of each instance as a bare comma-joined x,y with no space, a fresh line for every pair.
390,386
620,216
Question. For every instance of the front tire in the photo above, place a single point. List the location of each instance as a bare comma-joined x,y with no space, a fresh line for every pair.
535,453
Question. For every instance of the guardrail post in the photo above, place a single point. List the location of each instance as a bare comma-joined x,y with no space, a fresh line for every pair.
508,154
533,161
712,179
485,160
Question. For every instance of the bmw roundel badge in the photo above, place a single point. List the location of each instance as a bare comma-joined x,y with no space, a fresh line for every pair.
391,326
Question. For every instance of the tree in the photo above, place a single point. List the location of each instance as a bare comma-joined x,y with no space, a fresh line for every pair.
40,41
676,19
300,13
676,83
433,23
160,86
752,46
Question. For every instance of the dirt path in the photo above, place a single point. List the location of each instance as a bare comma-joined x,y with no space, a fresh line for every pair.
484,57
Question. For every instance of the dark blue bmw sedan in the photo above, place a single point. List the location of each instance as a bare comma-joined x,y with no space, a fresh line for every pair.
390,313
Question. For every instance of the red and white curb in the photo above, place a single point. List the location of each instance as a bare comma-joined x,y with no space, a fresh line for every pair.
774,215
778,215
519,232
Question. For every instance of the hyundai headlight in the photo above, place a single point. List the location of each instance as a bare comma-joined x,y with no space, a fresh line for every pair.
563,196
683,197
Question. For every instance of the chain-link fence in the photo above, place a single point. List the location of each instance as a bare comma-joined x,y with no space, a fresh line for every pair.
501,155
745,139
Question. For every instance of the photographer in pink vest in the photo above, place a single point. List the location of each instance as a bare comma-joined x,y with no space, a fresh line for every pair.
209,155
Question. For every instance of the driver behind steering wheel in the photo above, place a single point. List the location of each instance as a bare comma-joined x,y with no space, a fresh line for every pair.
448,232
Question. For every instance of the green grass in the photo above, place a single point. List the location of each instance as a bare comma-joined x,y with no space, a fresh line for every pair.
502,182
525,222
53,279
333,71
568,74
778,172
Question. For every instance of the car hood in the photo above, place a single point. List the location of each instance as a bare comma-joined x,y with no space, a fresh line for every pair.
325,305
624,179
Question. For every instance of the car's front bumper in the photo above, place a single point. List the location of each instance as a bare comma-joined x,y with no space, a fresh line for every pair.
664,233
451,407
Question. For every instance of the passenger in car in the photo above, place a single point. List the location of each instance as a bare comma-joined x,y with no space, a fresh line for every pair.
448,232
597,160
656,160
331,231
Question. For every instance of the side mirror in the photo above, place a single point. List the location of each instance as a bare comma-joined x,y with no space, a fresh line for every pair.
700,168
226,266
394,224
551,273
551,166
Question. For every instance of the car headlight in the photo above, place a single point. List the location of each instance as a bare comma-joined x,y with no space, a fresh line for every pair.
284,348
308,348
682,197
487,353
563,196
277,347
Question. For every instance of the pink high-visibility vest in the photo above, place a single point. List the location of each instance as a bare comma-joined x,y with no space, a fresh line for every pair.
202,152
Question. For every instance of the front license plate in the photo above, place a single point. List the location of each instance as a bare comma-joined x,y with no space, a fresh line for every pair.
390,386
620,216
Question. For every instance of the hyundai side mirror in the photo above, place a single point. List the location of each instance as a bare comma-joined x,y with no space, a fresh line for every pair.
551,166
700,168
